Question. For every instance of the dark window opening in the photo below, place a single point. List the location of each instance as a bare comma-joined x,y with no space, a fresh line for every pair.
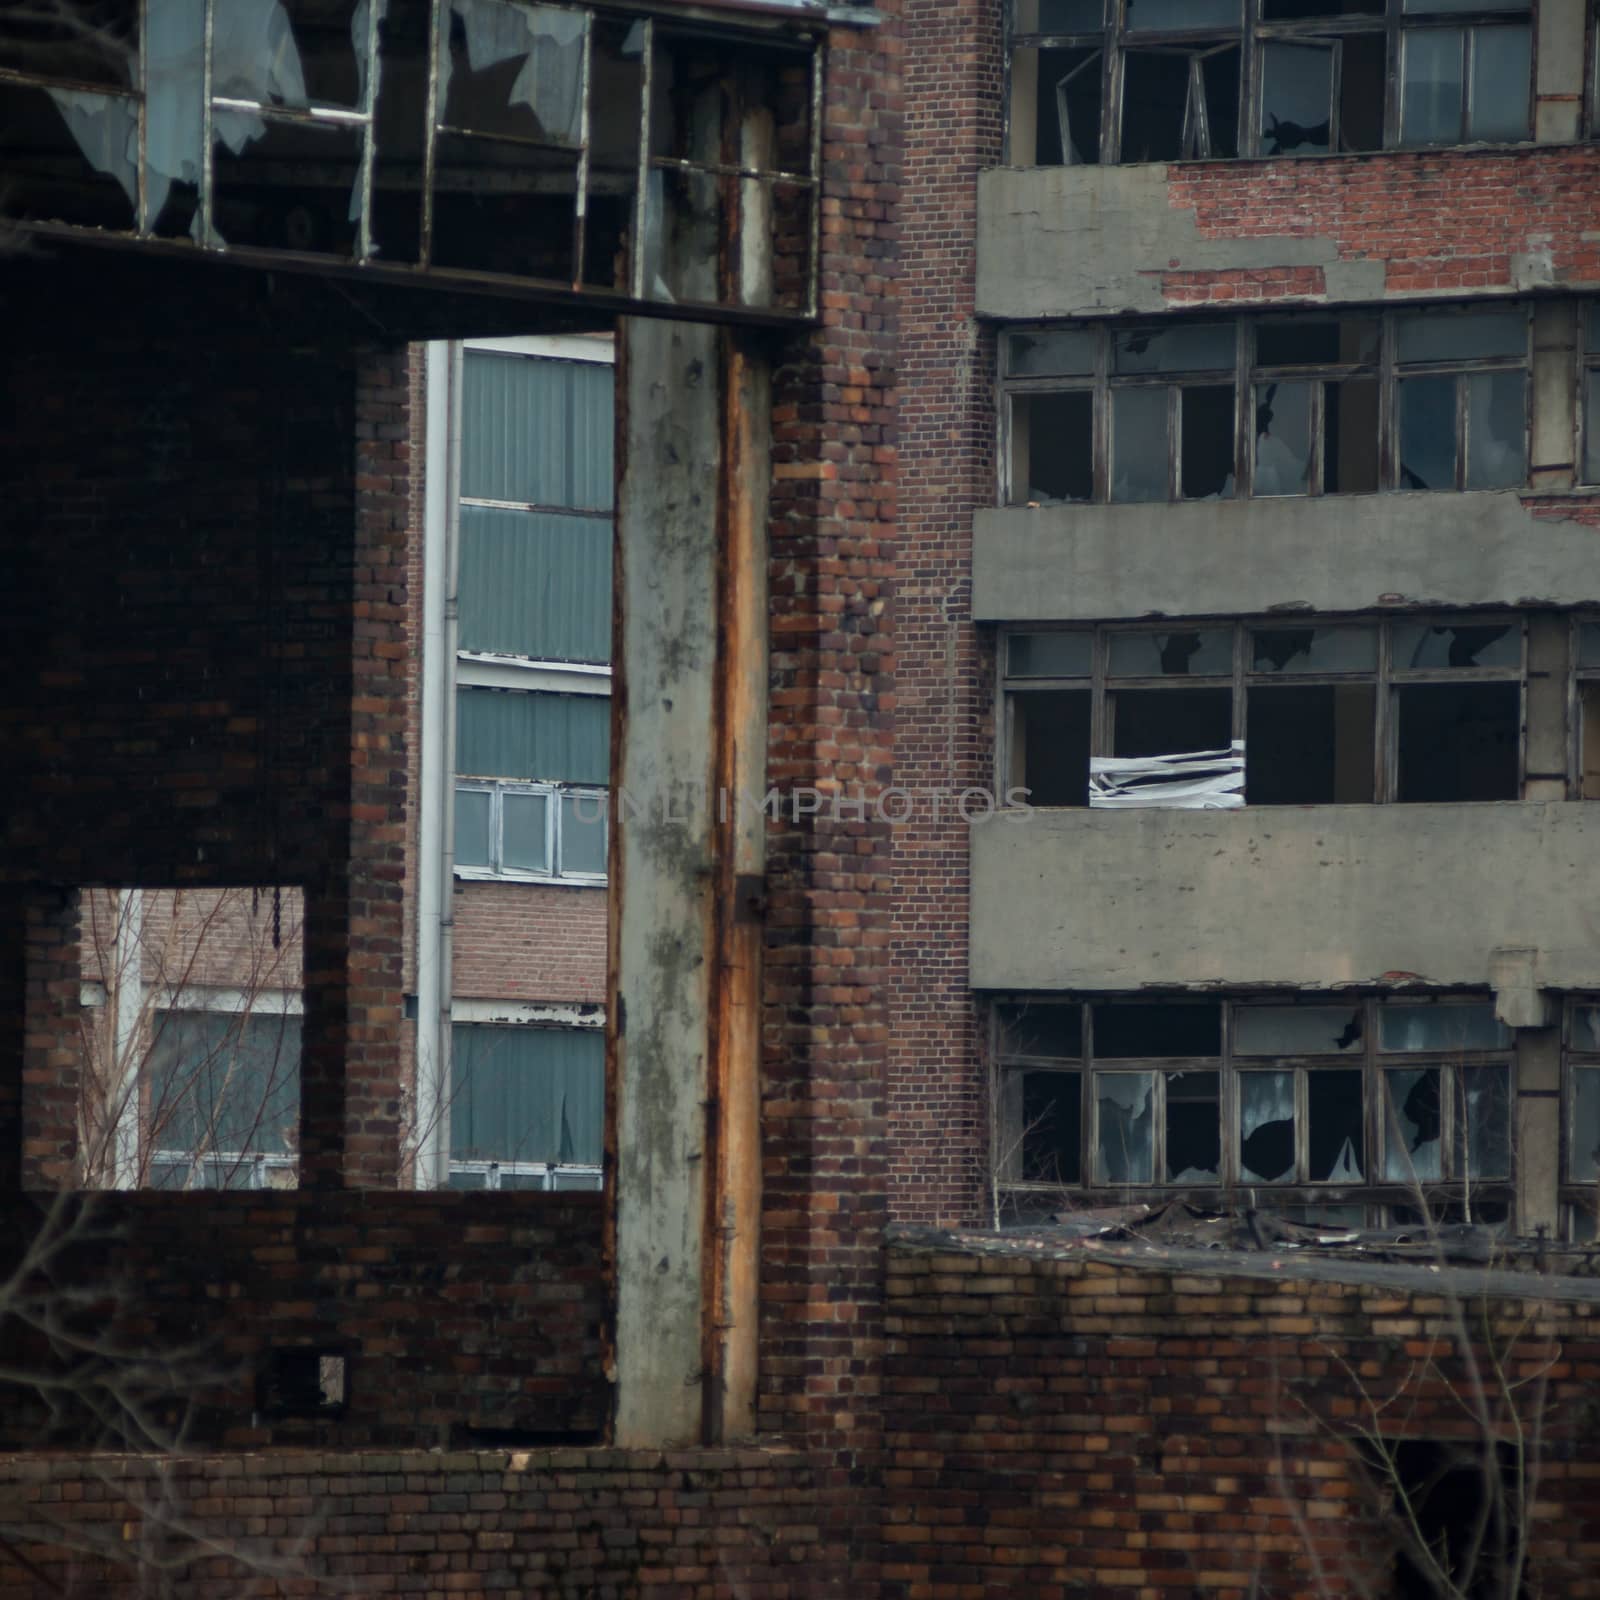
1054,447
1161,722
1155,103
1068,108
1336,1147
1042,1030
1310,744
1194,1130
1462,1502
1458,741
1052,1127
303,1383
1133,1031
1050,746
1206,462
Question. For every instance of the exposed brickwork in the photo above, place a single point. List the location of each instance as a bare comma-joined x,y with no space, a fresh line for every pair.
953,129
1441,222
458,1311
574,1524
518,941
1062,1425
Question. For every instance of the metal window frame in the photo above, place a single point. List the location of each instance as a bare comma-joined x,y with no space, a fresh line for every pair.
1579,676
1389,371
549,1171
1575,1193
497,789
1387,679
1374,1192
1588,363
256,1163
1252,36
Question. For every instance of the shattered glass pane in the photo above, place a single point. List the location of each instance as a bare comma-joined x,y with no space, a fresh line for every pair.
1583,1160
1282,438
512,69
1266,1127
70,155
1051,353
1501,75
1336,1136
1194,1129
1427,433
1412,1125
1139,444
1052,437
1460,335
1496,430
523,845
1151,655
1042,1029
1184,347
1133,1031
1456,644
255,201
1441,1027
1313,649
1125,1149
1049,655
1586,1028
472,828
327,40
1431,85
1207,423
503,207
1296,96
1486,1104
683,222
1297,1030
1052,1126
1152,14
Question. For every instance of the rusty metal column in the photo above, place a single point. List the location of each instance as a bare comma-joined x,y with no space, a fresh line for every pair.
686,858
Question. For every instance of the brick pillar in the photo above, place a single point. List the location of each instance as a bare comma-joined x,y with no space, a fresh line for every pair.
825,1033
350,1129
41,962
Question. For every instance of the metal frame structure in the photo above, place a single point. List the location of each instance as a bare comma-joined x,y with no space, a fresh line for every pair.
556,870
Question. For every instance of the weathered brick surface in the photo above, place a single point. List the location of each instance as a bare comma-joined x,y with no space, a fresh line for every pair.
573,1524
518,941
1057,1426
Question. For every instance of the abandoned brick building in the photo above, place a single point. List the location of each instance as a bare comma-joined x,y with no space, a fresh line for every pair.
659,648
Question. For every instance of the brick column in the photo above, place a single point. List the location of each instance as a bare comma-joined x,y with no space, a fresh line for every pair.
45,1100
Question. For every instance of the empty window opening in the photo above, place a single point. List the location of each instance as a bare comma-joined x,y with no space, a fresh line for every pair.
1458,741
1053,447
1457,1510
1050,747
303,1383
1310,745
1051,1127
1161,722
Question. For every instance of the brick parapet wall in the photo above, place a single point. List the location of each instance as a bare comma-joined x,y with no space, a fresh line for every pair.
1060,1422
457,1311
937,1108
575,1524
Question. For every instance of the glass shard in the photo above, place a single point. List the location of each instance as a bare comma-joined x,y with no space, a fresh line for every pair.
1282,438
1125,1151
1190,347
1456,644
1427,433
1150,655
1266,1127
1485,1108
1335,1136
1313,650
512,69
1051,353
1296,97
1412,1128
1297,1030
1194,1129
1496,430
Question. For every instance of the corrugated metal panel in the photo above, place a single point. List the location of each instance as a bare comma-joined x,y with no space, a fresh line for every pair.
536,431
534,583
561,738
526,1094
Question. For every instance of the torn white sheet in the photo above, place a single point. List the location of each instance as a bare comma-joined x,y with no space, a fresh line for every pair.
1195,780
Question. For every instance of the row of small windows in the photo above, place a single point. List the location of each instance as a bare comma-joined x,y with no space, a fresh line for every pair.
1107,81
1320,404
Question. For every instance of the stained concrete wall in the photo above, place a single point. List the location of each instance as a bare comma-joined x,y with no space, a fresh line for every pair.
1309,896
1237,558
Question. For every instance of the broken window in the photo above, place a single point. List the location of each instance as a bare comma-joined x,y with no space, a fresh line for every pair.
1331,714
1589,400
1341,403
1586,732
1581,1116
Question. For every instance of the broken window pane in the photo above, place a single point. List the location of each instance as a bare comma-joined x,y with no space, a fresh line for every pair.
1496,430
328,41
1139,452
504,207
1052,441
1282,438
1431,85
1207,421
1151,655
1501,76
1182,347
1133,1031
1266,1127
1427,433
1067,110
1335,1135
1155,104
472,828
1440,1027
1412,1125
1054,352
1125,1147
512,69
70,155
1460,335
1458,741
1313,649
1483,1147
1161,722
1050,746
616,89
1052,1124
286,186
1219,74
1049,655
1310,744
1042,1029
1363,75
1194,1128
1350,436
1296,1030
523,844
1456,644
1584,1150
1586,1027
1152,14
1296,99
1591,427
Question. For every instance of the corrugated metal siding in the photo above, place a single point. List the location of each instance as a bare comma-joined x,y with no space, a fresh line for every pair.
561,738
535,584
526,1094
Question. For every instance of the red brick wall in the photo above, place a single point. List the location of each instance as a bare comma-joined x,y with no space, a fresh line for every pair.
520,941
627,1525
937,1107
1057,1426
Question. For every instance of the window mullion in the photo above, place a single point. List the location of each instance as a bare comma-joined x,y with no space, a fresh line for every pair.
1388,406
1384,762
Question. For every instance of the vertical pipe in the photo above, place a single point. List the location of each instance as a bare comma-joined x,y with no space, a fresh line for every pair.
127,993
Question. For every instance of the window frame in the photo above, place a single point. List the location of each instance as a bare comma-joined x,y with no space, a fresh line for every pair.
1378,1194
1588,434
554,793
1580,1197
1387,679
1252,33
1389,372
